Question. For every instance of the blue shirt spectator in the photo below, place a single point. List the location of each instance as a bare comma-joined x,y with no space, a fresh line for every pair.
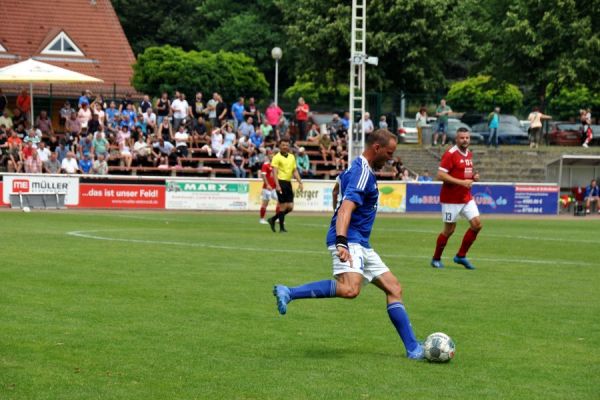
238,110
246,129
257,139
85,164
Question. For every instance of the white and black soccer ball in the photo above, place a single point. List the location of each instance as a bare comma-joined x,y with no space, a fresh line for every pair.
439,347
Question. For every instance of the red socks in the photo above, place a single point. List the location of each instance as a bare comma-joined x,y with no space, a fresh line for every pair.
468,239
439,246
263,211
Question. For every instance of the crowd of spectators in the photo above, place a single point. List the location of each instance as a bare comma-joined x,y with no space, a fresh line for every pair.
162,134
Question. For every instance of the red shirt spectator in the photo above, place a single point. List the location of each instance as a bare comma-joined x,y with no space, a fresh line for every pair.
24,102
302,110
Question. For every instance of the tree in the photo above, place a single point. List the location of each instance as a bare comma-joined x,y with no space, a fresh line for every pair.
534,43
169,68
568,101
416,41
482,94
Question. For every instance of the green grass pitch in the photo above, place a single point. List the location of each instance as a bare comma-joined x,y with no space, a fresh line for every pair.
173,305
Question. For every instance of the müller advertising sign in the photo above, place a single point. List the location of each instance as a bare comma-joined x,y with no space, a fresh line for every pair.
37,184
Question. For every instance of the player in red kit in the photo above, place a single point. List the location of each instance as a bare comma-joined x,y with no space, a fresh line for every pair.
457,174
268,191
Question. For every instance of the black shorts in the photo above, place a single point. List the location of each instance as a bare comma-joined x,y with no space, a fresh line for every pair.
287,193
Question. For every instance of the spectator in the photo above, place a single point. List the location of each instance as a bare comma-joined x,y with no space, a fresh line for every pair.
216,143
199,133
229,142
65,113
142,153
100,145
125,154
383,122
313,134
86,146
222,111
15,145
493,125
425,177
181,142
335,127
144,104
73,129
303,163
164,152
150,121
238,162
421,121
245,146
165,131
111,113
251,110
69,164
94,124
326,149
126,103
256,138
84,115
34,136
535,128
100,166
27,150
43,152
163,108
367,124
19,118
44,124
405,175
24,104
86,164
5,119
52,166
246,128
302,110
33,164
99,112
123,137
211,108
267,131
586,126
257,160
442,113
62,150
273,115
592,195
141,127
345,121
340,157
196,109
128,117
84,98
179,107
238,109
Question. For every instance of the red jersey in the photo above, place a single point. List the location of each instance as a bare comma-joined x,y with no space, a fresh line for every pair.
459,165
302,112
268,171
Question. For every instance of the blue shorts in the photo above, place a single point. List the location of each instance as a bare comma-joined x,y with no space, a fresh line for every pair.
442,127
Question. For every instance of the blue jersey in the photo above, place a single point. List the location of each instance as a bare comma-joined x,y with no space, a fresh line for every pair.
359,185
592,191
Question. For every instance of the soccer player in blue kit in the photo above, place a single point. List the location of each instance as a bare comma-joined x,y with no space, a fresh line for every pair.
354,261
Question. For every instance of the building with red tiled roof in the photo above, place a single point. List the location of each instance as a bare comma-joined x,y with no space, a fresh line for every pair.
81,35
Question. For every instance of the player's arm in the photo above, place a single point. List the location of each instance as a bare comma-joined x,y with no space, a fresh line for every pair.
298,179
447,178
263,175
334,195
277,187
344,215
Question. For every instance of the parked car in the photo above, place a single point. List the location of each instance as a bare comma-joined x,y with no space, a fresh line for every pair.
569,134
509,131
407,130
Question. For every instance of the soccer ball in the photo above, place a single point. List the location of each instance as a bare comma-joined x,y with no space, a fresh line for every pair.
439,347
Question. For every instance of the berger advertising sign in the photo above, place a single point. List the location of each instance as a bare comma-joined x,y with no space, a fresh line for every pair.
38,184
206,195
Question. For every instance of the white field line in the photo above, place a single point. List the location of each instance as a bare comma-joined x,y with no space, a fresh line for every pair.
92,234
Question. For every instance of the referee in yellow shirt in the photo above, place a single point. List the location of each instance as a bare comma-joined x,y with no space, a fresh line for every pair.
284,167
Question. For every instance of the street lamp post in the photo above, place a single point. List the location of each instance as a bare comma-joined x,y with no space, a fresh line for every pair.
276,53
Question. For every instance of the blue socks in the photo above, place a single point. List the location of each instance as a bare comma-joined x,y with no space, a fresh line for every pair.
399,318
318,289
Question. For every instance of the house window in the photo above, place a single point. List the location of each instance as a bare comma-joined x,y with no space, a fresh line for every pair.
62,44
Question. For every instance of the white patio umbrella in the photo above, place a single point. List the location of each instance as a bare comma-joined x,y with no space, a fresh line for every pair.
32,71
